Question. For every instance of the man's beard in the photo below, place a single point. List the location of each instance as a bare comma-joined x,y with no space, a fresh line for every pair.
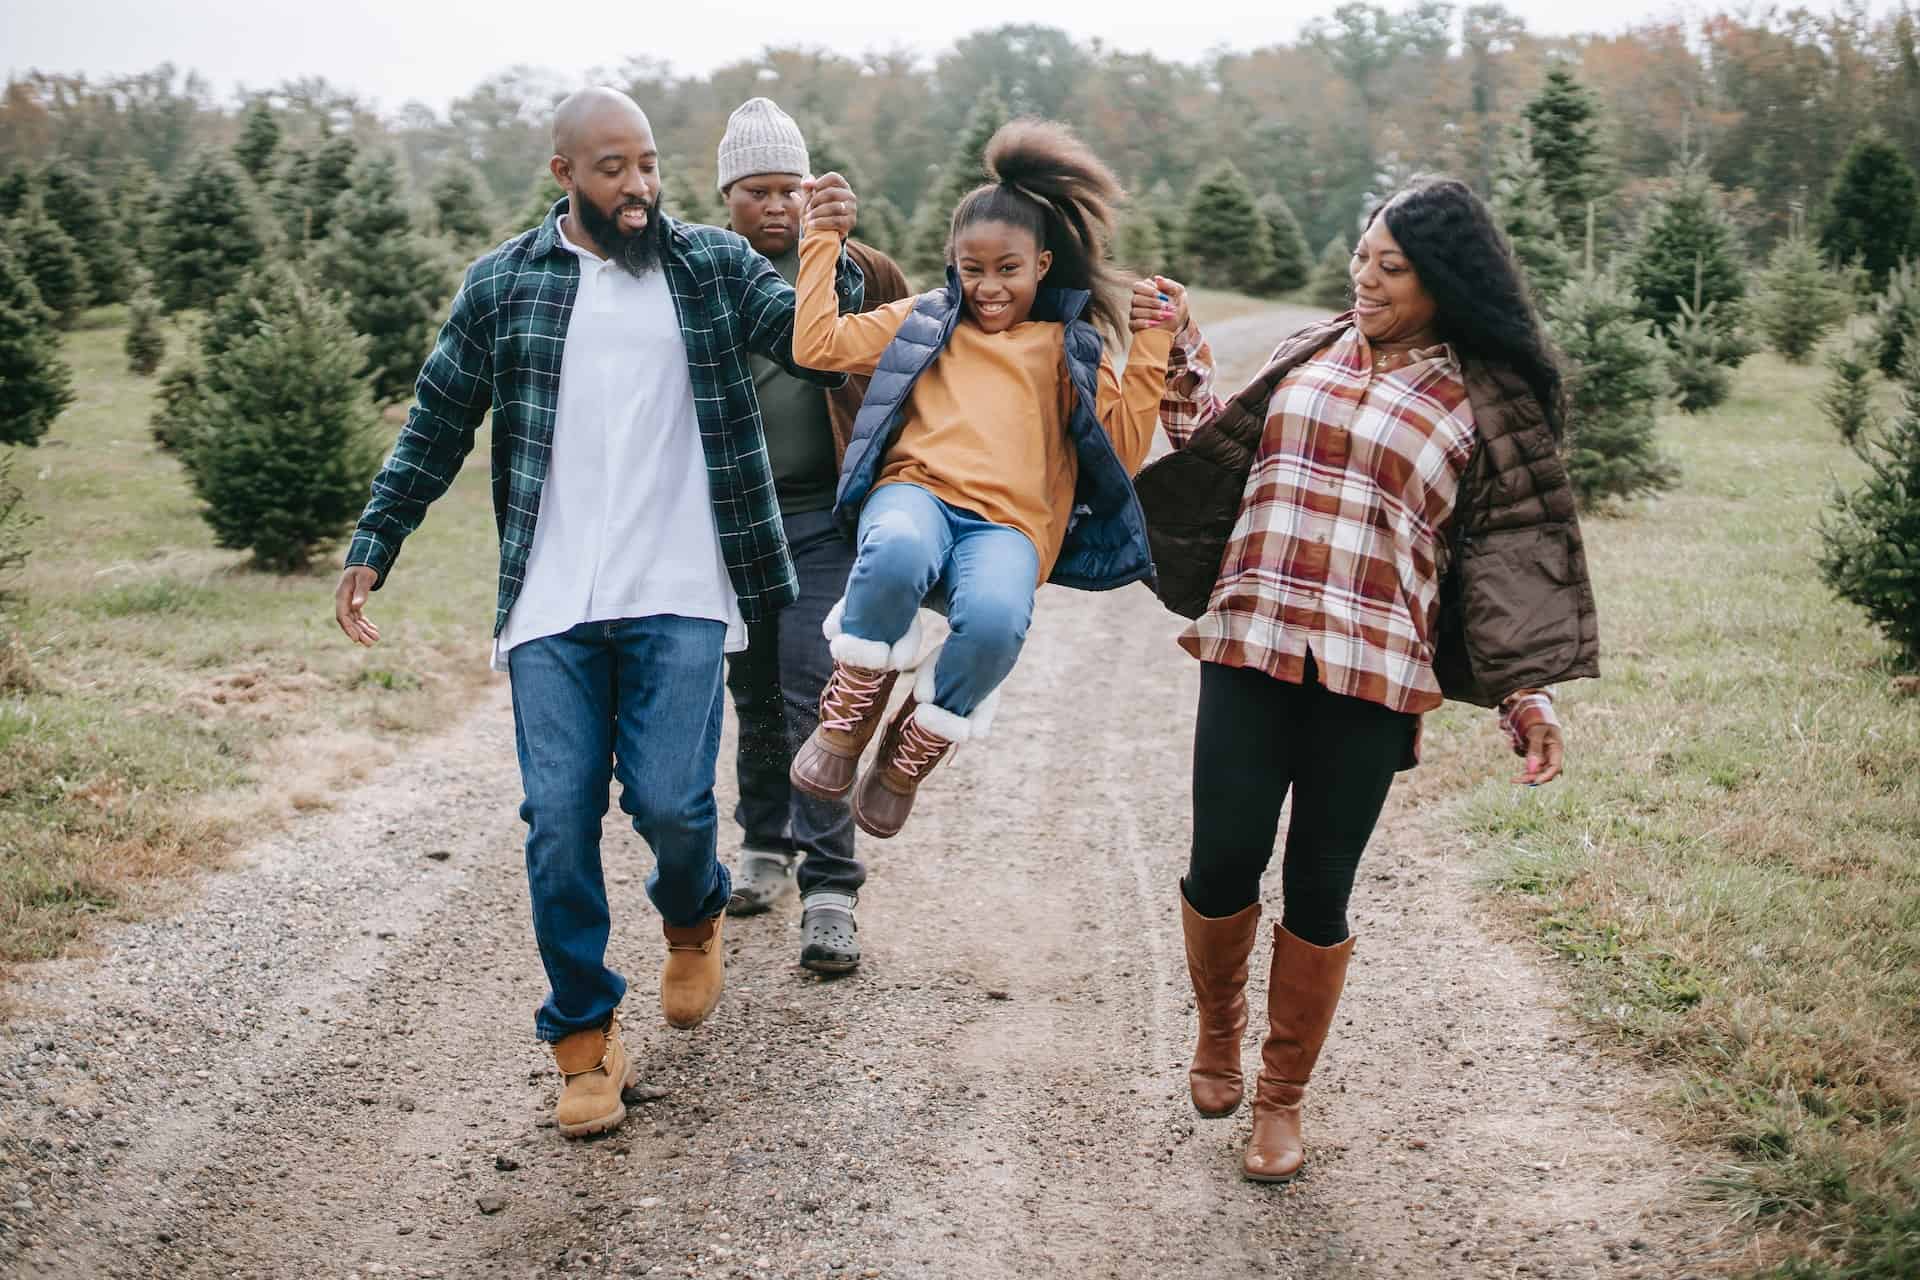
635,252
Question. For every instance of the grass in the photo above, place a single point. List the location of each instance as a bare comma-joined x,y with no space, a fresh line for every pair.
1731,870
166,686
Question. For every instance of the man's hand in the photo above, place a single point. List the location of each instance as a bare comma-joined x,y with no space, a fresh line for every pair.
1545,749
349,598
831,205
1158,303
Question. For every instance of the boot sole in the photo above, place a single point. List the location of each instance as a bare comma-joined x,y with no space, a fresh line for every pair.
828,964
1272,1178
603,1124
1205,1114
868,825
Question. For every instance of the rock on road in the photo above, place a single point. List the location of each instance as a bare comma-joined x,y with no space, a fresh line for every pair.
323,1065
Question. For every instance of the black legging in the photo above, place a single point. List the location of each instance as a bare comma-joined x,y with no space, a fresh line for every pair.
1256,738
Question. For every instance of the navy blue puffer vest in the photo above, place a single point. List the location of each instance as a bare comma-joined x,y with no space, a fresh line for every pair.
1106,542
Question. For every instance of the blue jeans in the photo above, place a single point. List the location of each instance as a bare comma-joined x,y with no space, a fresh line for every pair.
638,699
911,542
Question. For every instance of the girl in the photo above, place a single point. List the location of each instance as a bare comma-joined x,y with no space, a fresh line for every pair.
993,453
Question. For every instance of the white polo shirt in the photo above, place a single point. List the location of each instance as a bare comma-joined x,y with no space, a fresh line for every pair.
625,527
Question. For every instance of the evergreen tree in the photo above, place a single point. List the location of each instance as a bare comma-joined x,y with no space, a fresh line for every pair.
287,442
393,282
1872,210
1527,215
208,239
141,204
1332,284
686,199
1797,300
1292,261
1687,250
146,345
1616,382
35,384
1226,238
15,187
461,210
179,408
259,140
1847,399
74,200
1164,208
15,520
883,226
827,154
1563,136
1870,540
311,184
1136,243
1896,321
1700,377
965,169
51,260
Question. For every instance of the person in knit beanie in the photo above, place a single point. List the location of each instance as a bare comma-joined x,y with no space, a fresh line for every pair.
788,837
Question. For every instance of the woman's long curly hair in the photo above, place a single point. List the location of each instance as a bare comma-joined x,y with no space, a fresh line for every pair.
1482,304
1047,181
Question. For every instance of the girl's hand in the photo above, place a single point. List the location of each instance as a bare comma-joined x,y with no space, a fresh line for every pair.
1158,303
831,205
1545,750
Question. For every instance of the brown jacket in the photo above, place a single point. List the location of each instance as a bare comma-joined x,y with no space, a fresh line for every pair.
1516,605
885,284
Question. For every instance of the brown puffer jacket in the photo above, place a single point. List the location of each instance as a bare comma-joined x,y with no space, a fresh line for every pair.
885,284
1516,605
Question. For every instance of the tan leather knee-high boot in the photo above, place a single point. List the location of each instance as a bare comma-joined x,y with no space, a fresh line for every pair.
1217,951
1303,990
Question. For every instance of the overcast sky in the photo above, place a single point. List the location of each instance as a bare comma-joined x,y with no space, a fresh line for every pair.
436,50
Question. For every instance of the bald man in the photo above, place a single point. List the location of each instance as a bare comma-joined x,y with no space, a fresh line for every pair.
639,535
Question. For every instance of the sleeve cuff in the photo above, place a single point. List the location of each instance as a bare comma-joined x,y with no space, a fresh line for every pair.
1521,711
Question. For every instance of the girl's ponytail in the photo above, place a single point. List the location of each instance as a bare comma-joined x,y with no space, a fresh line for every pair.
1045,179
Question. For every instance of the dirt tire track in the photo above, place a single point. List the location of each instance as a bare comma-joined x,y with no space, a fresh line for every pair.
319,1068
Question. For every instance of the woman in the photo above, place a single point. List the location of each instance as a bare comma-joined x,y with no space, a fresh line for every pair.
1380,520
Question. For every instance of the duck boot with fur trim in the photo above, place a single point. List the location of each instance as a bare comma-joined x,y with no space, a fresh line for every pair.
594,1069
1303,990
918,738
852,705
695,972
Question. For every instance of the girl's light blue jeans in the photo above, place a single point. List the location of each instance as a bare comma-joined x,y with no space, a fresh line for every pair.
911,545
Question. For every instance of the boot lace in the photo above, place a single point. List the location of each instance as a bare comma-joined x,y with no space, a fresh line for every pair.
849,698
919,750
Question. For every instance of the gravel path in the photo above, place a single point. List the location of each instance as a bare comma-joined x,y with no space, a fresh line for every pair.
323,1067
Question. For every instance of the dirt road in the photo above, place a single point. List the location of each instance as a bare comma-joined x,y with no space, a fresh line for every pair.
324,1066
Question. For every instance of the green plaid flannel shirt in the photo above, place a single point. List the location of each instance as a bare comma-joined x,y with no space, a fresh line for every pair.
500,350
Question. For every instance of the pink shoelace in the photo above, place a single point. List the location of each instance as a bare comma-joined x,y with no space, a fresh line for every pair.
849,698
919,750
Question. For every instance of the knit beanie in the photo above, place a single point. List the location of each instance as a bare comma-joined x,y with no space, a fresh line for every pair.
761,138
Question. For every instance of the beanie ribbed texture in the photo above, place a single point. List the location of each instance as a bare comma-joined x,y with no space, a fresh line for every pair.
761,138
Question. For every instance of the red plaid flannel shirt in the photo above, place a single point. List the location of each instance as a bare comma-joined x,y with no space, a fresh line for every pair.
1338,540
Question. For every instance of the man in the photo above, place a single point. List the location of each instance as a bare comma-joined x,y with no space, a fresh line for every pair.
638,536
776,683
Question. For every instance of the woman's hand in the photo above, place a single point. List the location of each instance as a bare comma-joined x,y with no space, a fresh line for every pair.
1158,303
831,205
1545,750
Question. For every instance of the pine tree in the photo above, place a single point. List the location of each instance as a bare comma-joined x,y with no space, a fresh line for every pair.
35,383
140,204
179,406
1847,399
1896,320
393,282
827,154
1226,238
1164,208
1527,215
287,442
1332,284
74,200
1870,538
1688,249
146,345
1616,382
686,199
15,520
1292,261
259,140
1563,137
1700,377
208,239
15,187
541,195
965,169
51,260
461,209
1870,210
882,225
311,184
1136,243
1797,300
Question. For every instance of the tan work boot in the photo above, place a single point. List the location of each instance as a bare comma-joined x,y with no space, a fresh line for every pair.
593,1070
695,972
851,707
908,752
1217,951
1303,990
